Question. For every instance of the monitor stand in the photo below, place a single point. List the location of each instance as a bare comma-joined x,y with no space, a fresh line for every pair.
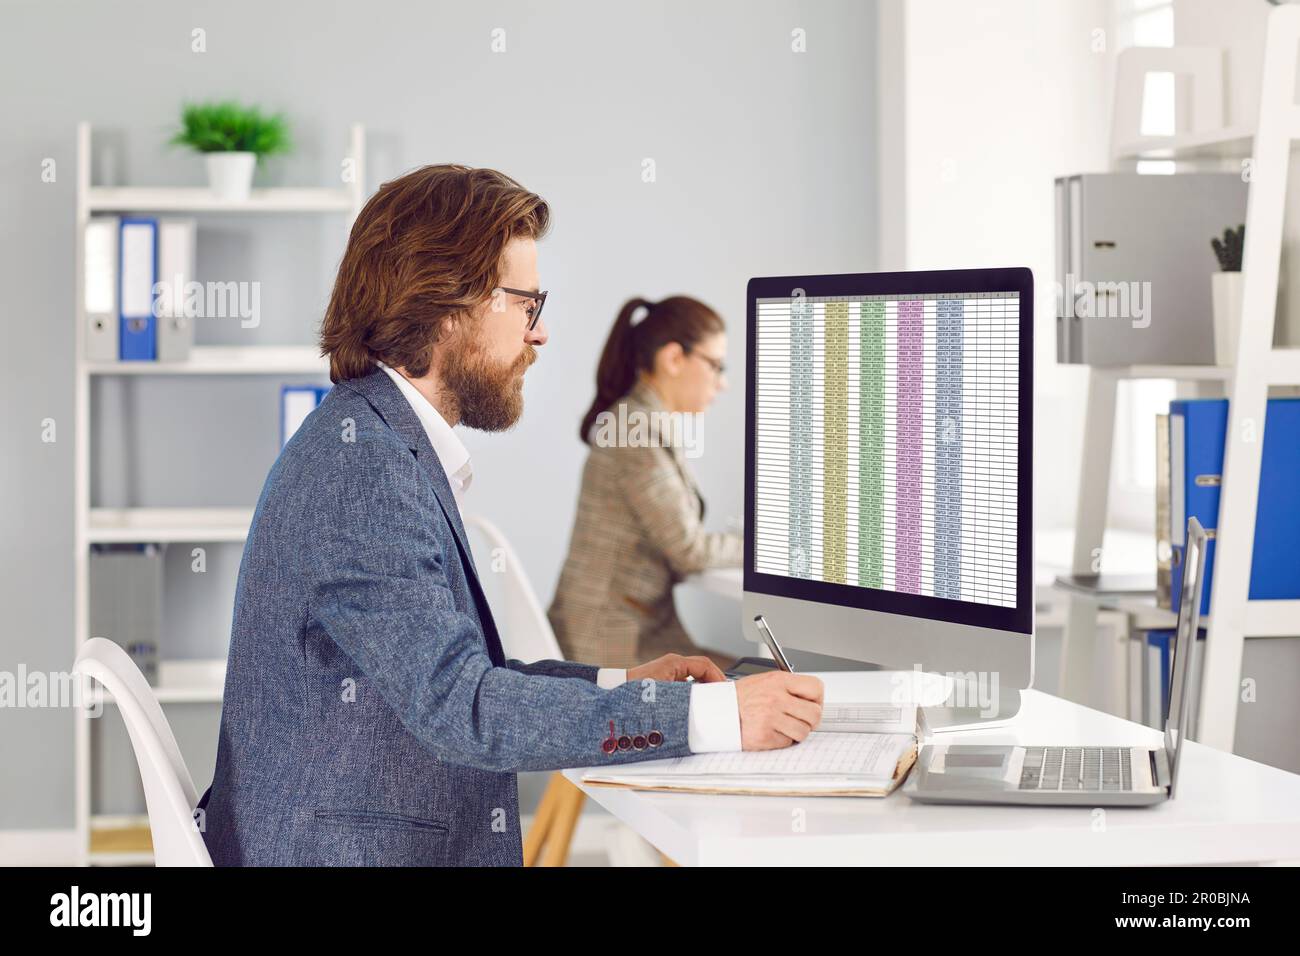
952,720
982,714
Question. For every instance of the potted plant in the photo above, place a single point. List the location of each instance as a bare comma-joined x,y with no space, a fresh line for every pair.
1225,294
233,139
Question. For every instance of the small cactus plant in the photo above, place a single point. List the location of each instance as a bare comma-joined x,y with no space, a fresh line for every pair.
1228,252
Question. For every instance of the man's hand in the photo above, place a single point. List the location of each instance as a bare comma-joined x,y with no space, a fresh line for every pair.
777,709
677,667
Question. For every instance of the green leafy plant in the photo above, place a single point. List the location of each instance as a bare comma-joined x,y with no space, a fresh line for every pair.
228,127
1228,252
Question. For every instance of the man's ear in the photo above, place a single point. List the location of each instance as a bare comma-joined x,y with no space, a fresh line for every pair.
452,324
470,318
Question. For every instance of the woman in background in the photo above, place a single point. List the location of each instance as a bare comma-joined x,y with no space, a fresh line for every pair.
638,529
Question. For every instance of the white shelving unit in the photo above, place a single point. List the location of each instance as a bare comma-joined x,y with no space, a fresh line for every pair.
1259,366
226,360
1230,142
200,199
167,525
183,682
179,681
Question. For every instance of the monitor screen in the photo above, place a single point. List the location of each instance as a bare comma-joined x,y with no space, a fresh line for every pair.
886,443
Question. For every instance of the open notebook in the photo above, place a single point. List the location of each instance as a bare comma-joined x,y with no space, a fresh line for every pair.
825,764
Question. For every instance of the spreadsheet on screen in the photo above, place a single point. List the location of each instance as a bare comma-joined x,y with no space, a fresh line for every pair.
886,442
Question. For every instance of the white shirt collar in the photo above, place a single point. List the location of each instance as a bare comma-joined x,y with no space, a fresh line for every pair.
451,452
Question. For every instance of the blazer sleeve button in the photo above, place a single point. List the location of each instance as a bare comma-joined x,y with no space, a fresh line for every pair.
625,742
654,738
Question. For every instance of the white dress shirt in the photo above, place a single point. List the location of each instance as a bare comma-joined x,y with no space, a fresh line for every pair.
451,451
713,721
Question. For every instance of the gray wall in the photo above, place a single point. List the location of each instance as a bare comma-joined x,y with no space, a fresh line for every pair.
765,162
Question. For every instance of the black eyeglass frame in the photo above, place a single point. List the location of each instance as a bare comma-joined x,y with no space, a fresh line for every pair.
719,368
538,297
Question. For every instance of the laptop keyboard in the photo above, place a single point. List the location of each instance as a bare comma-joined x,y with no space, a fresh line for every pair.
1076,768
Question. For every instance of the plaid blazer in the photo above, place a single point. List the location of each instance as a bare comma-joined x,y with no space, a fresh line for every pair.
637,533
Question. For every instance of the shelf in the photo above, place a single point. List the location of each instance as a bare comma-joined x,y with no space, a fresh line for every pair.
226,360
1231,142
161,525
1263,618
1184,373
201,199
1272,618
1282,366
183,682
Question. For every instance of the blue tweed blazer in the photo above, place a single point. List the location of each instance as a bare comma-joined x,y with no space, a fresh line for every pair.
370,716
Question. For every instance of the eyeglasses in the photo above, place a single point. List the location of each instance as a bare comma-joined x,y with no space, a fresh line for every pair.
720,368
534,311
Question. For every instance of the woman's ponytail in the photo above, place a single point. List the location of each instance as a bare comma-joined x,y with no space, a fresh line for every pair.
616,373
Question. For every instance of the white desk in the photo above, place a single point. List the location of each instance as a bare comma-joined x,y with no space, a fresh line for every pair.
727,582
1228,810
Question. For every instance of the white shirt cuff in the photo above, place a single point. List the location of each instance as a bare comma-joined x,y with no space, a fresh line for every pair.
607,678
713,723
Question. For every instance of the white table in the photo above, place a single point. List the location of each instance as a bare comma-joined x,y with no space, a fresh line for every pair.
1228,810
727,582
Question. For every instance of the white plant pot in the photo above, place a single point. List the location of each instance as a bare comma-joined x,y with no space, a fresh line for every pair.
1225,296
230,175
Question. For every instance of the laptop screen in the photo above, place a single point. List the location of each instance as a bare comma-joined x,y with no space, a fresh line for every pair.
1180,669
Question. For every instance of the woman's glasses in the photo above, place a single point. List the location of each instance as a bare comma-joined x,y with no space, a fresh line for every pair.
719,367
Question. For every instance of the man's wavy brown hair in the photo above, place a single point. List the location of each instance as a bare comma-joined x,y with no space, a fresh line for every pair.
426,246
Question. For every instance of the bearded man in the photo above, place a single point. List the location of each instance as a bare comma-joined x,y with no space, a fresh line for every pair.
371,716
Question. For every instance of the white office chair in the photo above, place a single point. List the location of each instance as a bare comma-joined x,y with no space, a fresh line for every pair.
168,787
527,635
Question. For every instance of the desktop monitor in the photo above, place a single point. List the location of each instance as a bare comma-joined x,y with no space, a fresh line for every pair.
888,481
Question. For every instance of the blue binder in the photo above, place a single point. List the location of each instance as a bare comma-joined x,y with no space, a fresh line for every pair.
296,403
1197,429
138,274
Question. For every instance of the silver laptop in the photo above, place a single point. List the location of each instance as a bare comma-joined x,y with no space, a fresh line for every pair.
1076,775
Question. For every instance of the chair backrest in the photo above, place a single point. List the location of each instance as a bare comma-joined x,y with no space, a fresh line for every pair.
526,633
169,790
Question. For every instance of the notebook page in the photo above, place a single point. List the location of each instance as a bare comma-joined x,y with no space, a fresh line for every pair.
821,754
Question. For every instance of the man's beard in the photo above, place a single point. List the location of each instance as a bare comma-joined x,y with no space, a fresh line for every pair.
489,397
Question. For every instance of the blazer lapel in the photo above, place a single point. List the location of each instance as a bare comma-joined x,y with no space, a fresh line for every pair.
378,389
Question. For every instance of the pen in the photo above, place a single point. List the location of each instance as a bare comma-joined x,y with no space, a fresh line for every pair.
769,639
